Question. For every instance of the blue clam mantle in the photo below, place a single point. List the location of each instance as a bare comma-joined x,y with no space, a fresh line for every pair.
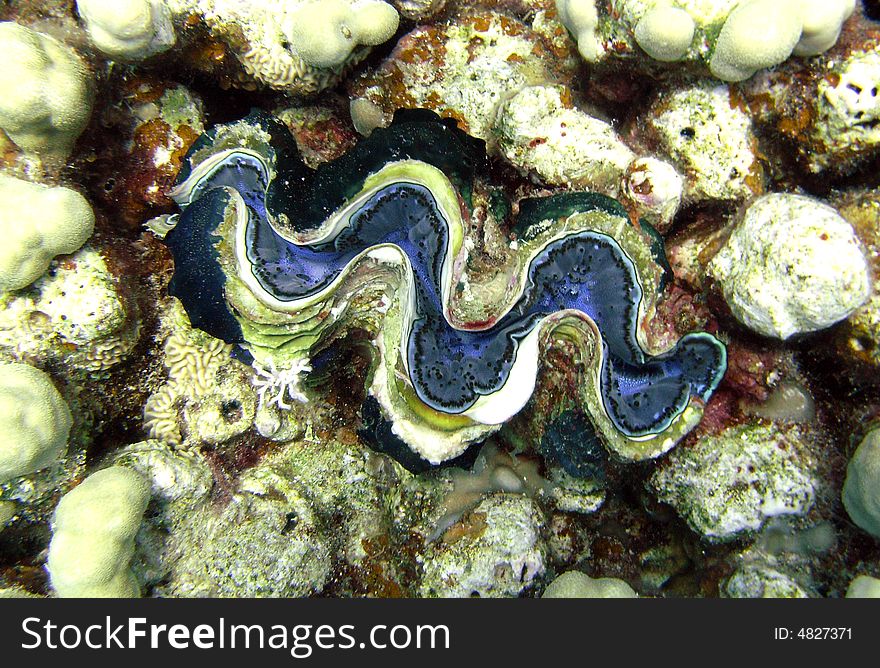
391,217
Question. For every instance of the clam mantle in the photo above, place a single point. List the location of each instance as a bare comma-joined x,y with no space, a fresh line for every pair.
284,260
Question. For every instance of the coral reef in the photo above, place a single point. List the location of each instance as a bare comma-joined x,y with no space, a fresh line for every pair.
77,313
710,140
299,47
208,396
864,586
128,30
39,223
732,39
574,584
860,491
495,550
440,298
733,482
93,538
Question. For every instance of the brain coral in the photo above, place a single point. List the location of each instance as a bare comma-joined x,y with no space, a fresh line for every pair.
280,258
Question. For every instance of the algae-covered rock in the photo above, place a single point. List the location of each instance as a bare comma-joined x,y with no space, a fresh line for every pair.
728,484
77,314
495,551
847,127
792,265
540,132
756,581
709,139
263,543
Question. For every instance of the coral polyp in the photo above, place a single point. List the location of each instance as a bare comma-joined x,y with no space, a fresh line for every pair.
277,257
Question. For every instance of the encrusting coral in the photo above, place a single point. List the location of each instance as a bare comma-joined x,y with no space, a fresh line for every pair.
300,47
207,398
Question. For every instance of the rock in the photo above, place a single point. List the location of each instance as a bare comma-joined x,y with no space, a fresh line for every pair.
709,139
730,483
792,265
751,581
494,551
540,132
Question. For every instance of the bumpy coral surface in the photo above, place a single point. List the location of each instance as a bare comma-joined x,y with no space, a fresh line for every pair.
35,421
47,97
440,298
300,47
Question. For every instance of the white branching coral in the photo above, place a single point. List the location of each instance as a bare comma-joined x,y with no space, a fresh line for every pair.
280,382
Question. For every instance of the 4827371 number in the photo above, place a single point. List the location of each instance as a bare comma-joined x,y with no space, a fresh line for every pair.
813,633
